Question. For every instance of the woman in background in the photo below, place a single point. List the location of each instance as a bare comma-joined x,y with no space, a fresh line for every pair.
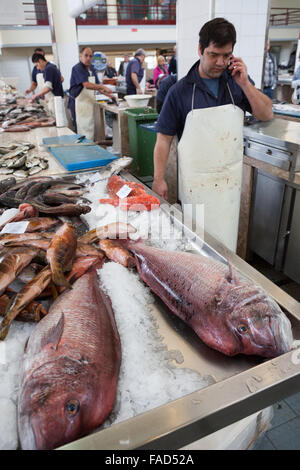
160,69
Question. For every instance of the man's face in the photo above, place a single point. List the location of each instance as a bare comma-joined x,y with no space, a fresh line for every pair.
141,58
214,60
40,65
126,58
86,57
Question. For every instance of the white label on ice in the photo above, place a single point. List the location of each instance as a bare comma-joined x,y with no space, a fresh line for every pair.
124,191
15,227
96,177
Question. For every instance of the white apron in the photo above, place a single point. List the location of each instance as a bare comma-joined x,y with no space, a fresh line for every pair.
49,97
84,111
210,159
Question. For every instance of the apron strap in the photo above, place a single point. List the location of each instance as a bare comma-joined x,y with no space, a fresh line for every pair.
230,94
193,96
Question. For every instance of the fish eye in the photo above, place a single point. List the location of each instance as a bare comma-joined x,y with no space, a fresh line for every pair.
243,328
72,407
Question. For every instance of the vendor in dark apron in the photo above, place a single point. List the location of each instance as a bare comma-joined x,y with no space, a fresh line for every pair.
84,82
205,110
49,82
135,74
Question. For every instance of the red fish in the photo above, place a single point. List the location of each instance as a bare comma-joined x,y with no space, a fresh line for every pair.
13,263
60,254
34,311
117,253
26,211
70,369
145,202
229,314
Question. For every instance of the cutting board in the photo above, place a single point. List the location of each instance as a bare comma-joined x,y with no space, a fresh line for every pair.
76,158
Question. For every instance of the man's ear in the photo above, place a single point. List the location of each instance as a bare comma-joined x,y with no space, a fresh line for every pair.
199,50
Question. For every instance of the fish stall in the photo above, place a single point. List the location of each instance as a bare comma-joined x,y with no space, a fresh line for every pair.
171,379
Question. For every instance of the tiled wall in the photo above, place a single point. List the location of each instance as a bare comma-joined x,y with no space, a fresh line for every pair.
248,17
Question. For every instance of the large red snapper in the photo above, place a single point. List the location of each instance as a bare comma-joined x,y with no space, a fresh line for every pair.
70,369
229,314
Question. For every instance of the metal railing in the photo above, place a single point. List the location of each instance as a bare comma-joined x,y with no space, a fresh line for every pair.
36,12
94,16
284,16
146,11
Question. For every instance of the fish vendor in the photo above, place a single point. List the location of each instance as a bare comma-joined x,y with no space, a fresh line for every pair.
84,81
52,82
37,81
217,79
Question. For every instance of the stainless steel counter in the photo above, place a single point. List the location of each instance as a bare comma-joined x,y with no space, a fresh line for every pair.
242,385
276,142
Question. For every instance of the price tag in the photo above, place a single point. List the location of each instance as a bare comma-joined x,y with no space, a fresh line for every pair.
15,227
124,191
95,177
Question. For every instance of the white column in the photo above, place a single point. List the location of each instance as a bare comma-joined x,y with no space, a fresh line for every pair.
64,38
112,13
250,19
191,16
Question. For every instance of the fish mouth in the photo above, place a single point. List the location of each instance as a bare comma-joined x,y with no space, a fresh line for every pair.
282,333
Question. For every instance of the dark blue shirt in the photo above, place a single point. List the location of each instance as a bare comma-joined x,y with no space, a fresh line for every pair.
164,87
80,74
34,73
52,74
178,102
134,66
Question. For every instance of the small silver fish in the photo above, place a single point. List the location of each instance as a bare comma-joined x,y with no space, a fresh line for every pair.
44,164
31,163
6,171
21,173
114,167
17,163
34,170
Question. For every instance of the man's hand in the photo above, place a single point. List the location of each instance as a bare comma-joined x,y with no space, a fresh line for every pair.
33,98
27,91
139,91
239,71
160,187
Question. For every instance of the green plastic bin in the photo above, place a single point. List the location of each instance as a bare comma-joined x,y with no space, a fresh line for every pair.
141,140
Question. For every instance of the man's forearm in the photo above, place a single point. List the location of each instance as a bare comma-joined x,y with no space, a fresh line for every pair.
135,80
161,154
43,92
260,103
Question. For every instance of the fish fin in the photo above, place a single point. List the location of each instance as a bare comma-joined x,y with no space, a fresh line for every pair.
54,334
231,277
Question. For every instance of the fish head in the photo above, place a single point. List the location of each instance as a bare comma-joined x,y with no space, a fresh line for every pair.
57,404
260,327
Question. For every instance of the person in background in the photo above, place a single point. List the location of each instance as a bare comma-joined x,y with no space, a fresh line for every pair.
51,76
218,78
110,71
296,85
135,73
163,89
271,73
173,63
160,70
123,66
84,80
35,71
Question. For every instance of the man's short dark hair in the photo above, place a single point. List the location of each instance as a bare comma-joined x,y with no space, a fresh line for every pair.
84,48
218,31
39,49
36,57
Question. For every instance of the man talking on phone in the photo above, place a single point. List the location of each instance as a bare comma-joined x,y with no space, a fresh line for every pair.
217,79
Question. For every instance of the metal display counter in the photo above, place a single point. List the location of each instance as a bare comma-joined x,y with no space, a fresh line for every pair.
274,226
241,385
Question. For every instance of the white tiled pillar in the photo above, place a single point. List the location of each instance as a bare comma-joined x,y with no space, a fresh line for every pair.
250,18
